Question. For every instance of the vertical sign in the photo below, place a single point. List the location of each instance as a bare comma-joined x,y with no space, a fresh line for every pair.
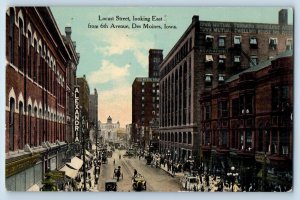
77,113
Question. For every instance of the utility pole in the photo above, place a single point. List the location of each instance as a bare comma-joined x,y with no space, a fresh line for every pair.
83,151
96,139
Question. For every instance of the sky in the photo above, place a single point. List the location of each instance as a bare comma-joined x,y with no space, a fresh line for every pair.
112,58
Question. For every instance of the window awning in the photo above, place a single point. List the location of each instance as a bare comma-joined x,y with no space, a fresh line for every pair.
237,39
209,37
273,41
87,158
208,77
34,188
237,59
71,173
222,56
75,163
88,154
253,40
209,58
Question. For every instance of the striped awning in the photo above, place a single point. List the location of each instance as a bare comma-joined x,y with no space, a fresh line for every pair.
69,172
75,163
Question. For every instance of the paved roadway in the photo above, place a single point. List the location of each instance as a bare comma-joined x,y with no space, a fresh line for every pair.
157,179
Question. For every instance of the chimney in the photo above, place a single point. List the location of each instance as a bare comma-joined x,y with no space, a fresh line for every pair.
283,17
68,31
195,18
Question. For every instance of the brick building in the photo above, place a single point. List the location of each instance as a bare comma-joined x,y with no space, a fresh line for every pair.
145,102
70,83
84,95
207,54
37,60
155,58
93,114
247,123
93,108
84,91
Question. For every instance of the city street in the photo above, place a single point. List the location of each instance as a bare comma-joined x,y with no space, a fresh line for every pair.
157,179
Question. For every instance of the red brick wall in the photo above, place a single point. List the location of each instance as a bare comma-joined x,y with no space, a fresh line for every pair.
32,88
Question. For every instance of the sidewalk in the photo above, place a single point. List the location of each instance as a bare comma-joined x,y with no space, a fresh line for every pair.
178,174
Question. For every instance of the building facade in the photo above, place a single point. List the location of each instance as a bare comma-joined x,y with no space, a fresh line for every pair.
70,83
155,58
93,114
145,101
109,130
36,69
204,57
145,108
93,108
248,124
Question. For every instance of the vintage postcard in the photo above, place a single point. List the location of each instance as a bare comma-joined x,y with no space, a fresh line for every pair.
151,99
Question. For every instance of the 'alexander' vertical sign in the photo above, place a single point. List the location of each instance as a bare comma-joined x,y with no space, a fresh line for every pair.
77,113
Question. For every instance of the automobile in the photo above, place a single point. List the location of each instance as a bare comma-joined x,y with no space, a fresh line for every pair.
111,185
139,183
190,183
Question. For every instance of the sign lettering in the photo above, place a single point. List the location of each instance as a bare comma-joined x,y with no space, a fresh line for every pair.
77,113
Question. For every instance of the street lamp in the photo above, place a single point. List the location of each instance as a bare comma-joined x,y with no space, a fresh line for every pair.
232,175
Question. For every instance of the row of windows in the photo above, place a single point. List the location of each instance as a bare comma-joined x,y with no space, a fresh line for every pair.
182,53
39,131
237,40
34,60
209,77
153,91
222,60
244,105
266,140
181,137
239,106
153,105
153,98
153,84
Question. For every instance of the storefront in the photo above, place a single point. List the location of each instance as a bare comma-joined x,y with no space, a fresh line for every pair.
23,173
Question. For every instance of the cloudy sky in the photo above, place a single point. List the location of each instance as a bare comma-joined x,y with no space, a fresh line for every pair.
112,58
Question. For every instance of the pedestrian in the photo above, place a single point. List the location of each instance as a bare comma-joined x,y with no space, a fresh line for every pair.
90,183
207,179
96,179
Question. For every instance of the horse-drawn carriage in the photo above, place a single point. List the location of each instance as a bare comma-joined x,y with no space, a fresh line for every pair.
117,173
139,182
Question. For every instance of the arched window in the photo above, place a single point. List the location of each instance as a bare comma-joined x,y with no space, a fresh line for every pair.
35,126
11,123
29,124
11,33
21,45
41,127
35,60
21,130
29,54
